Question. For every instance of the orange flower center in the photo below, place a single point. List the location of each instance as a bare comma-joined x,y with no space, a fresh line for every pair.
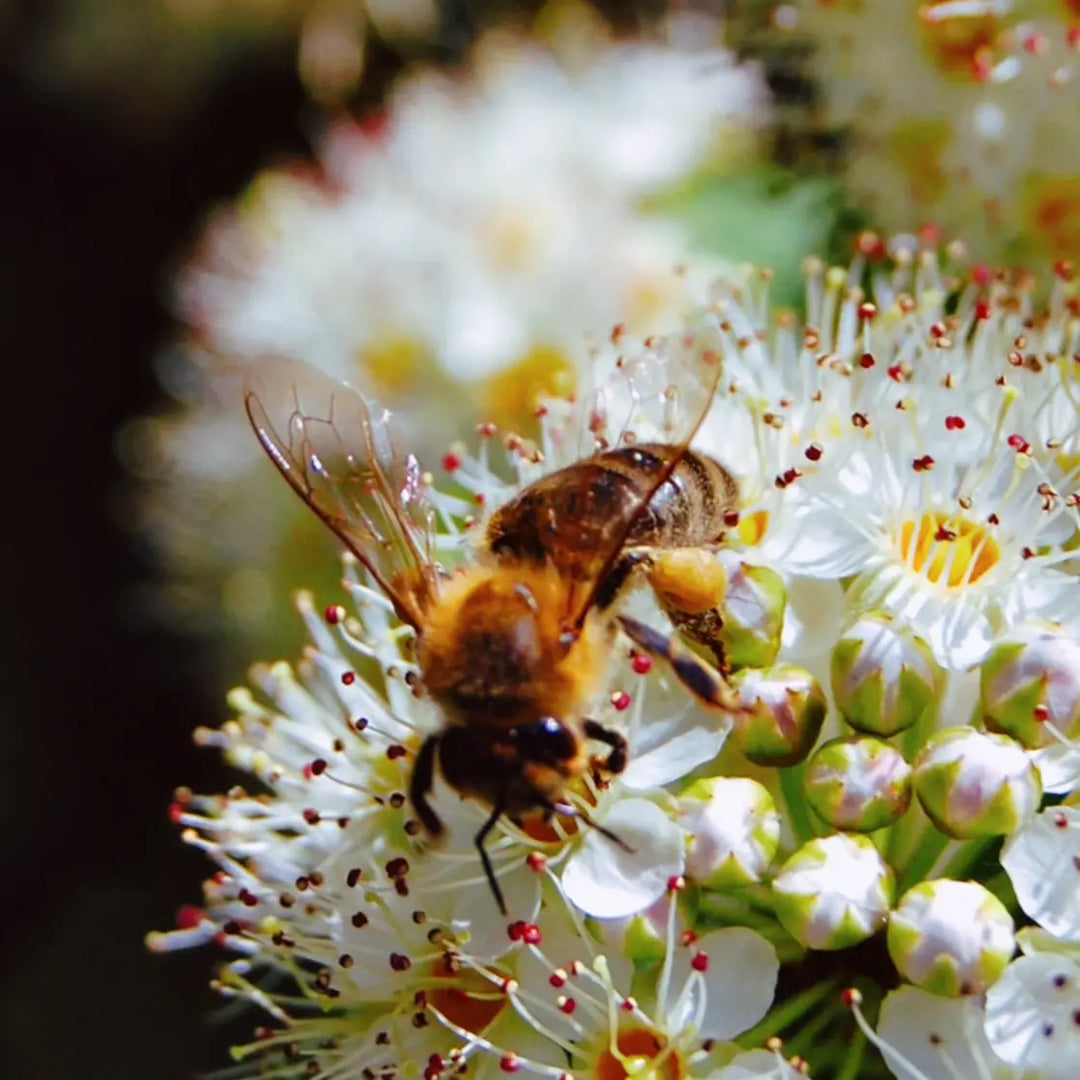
636,1058
948,551
472,1002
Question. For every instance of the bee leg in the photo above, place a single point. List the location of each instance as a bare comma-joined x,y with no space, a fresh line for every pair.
489,872
567,810
612,585
615,762
423,775
700,678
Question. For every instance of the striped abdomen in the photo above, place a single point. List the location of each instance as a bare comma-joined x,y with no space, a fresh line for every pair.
570,518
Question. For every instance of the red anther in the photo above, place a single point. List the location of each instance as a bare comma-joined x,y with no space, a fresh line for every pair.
814,451
176,812
540,411
398,867
870,244
993,519
944,534
450,461
248,899
982,311
688,937
1034,44
516,930
620,700
981,274
896,372
1027,553
851,997
641,663
867,311
731,518
1019,444
395,751
866,360
860,420
566,1005
510,1063
317,767
311,815
530,934
1041,713
486,430
676,883
334,614
479,498
348,678
1063,268
1060,820
536,860
930,234
189,916
700,961
618,331
557,979
432,1072
399,962
954,423
923,464
1072,37
628,1004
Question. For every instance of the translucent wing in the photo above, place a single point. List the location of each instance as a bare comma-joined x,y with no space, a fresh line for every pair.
337,452
653,396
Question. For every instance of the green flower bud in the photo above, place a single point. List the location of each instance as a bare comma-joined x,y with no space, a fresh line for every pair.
971,784
753,613
952,938
834,892
883,677
787,709
858,784
734,831
1030,678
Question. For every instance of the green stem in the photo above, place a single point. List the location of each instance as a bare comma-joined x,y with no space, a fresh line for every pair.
798,810
931,845
783,1016
853,1062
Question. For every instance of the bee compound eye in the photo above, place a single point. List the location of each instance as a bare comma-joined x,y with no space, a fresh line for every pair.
546,740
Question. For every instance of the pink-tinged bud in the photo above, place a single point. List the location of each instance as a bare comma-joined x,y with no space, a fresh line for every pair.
883,676
787,708
753,613
971,784
952,938
733,828
1031,679
858,784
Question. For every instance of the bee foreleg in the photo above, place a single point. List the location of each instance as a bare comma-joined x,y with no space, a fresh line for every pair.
583,815
423,776
699,677
489,872
615,762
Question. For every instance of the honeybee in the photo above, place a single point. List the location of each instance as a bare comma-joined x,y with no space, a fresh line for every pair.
514,648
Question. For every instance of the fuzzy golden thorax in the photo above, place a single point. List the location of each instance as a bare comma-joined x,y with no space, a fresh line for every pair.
493,649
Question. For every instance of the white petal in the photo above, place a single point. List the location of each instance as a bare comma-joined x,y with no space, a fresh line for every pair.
1042,860
1031,1015
758,1065
1059,767
819,544
940,1037
608,881
735,991
693,738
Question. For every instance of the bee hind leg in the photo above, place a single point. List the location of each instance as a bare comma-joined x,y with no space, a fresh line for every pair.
699,677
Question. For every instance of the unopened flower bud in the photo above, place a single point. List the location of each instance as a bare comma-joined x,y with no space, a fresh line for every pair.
834,892
858,784
971,784
734,831
1030,679
787,708
951,937
753,613
883,677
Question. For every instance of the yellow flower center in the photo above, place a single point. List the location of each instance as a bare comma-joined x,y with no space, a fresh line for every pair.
393,363
752,527
945,550
958,44
635,1058
510,396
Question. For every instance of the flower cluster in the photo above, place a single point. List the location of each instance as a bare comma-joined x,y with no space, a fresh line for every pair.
448,255
955,113
844,860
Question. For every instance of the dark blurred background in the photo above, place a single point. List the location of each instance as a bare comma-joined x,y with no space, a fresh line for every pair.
98,705
99,702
